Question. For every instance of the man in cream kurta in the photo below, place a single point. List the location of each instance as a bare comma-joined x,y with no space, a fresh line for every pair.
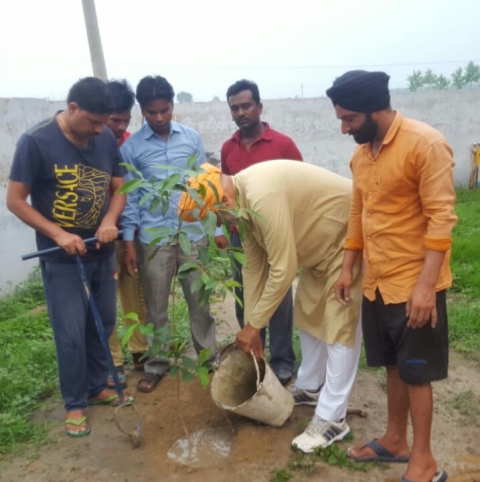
302,216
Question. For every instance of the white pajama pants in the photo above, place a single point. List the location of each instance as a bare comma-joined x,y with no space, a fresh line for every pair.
334,366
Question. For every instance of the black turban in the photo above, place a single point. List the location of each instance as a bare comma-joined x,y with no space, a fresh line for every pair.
361,91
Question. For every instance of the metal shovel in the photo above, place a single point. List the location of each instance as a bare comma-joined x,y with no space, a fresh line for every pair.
133,434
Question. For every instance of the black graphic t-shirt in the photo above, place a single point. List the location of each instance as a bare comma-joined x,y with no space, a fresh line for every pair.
69,184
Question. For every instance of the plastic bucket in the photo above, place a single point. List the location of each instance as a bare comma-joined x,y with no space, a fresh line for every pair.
246,387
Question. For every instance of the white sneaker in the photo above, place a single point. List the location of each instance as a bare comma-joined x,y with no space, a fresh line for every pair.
320,433
304,397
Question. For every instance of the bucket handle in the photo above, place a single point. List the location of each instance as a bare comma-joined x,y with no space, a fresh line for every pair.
256,369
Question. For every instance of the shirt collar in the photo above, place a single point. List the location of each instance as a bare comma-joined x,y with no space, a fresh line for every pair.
266,134
393,129
148,132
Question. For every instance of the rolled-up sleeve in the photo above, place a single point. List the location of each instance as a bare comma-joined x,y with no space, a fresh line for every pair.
437,194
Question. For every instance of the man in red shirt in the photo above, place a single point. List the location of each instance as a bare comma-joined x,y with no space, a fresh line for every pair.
256,142
129,288
123,98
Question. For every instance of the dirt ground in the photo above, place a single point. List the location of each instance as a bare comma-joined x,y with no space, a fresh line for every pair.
256,450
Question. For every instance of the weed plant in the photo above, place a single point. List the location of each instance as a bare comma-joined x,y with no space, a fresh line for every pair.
28,371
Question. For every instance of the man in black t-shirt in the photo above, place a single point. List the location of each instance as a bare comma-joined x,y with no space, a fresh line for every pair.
67,164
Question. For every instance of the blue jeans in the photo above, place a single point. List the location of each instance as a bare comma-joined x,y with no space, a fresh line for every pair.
280,328
81,359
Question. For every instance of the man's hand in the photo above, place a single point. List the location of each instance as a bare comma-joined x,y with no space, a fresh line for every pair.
248,339
221,241
421,306
342,287
71,243
129,259
106,233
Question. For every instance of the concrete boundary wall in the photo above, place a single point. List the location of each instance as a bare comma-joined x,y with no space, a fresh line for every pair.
310,122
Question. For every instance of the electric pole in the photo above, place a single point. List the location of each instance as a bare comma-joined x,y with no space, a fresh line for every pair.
94,40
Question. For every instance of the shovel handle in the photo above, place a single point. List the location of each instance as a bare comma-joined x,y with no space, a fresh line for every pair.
55,249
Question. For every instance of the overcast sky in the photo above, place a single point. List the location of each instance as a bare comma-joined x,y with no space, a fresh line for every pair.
204,46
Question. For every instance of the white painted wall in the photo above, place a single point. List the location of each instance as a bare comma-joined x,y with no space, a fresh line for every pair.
310,122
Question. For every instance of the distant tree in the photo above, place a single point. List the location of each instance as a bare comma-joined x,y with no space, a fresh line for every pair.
441,83
458,79
415,81
216,98
184,97
472,73
429,79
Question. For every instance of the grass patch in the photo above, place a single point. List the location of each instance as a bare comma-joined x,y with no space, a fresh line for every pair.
26,297
307,465
467,404
280,475
464,296
28,371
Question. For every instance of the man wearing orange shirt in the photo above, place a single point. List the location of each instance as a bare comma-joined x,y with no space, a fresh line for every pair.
401,217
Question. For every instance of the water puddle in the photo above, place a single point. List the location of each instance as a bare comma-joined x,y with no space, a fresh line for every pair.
204,448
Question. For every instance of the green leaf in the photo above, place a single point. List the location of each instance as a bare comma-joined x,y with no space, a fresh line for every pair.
155,251
210,223
170,181
242,230
146,330
187,375
240,257
173,370
332,459
204,255
185,244
128,334
192,161
197,284
203,356
215,191
144,199
191,172
131,316
203,376
191,229
188,266
202,191
232,284
161,233
155,204
130,168
204,296
212,284
131,186
165,206
237,299
187,362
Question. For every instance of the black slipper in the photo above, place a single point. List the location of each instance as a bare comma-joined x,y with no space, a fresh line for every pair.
152,379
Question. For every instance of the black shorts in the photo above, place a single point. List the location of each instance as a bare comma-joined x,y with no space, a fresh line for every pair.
421,354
